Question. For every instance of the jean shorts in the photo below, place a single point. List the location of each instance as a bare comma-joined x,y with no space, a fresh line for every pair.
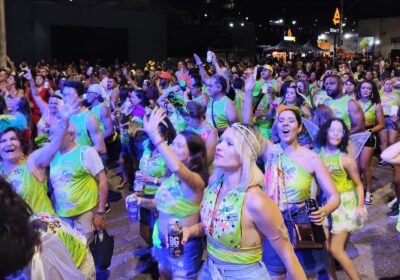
312,260
185,267
253,271
389,123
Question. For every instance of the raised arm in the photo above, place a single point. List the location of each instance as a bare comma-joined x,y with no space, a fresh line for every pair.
41,158
267,217
247,107
231,112
43,106
190,178
202,71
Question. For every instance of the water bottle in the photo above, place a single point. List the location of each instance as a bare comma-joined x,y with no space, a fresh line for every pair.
209,56
317,230
133,208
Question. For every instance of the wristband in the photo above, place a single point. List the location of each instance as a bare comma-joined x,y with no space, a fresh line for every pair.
101,213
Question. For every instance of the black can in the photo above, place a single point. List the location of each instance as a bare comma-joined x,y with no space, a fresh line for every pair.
175,235
317,230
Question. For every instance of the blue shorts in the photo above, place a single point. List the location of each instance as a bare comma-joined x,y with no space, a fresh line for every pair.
312,260
253,271
187,266
389,123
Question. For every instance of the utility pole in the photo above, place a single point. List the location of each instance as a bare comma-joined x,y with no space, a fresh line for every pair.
341,24
3,39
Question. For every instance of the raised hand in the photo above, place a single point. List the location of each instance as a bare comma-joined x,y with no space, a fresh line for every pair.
197,59
66,111
150,124
28,75
250,81
125,71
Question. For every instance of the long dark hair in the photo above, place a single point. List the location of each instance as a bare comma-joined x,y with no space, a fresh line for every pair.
375,98
18,237
198,154
322,137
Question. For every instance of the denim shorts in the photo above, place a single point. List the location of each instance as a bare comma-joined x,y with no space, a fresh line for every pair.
187,266
389,123
253,271
312,260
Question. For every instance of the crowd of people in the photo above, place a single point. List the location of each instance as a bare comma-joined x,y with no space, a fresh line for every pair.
232,149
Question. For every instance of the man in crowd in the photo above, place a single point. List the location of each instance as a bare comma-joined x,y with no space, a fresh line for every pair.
221,111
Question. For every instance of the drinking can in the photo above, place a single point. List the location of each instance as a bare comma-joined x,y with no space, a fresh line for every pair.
133,208
175,235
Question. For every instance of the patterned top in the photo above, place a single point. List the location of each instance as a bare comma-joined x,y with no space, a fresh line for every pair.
223,225
170,199
369,111
296,185
153,166
339,175
29,188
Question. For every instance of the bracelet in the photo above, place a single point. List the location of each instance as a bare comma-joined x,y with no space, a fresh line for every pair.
101,213
158,143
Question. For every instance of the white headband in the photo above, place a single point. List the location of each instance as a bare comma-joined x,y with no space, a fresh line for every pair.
239,128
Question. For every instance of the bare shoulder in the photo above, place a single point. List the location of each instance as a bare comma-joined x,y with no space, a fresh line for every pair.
348,160
256,199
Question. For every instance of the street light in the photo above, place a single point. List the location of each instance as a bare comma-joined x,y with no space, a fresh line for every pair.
294,22
231,24
377,42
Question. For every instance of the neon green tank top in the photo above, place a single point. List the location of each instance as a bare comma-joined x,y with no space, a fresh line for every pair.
75,190
218,110
389,100
170,199
79,121
223,226
96,110
369,111
334,163
297,181
153,166
239,99
72,239
29,188
339,108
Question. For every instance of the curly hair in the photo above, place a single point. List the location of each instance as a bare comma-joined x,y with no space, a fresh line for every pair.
18,237
26,142
322,137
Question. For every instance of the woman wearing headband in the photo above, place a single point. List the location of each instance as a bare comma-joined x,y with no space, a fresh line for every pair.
178,196
236,214
290,170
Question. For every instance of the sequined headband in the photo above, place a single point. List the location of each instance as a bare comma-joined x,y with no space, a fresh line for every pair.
239,128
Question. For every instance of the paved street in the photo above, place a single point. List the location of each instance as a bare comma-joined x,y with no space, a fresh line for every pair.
374,249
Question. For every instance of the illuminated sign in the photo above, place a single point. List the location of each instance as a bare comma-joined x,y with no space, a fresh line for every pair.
336,17
289,36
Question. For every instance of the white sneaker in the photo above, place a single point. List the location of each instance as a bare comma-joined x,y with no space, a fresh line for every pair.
392,202
368,198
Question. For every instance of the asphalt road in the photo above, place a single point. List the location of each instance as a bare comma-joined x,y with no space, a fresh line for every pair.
375,249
